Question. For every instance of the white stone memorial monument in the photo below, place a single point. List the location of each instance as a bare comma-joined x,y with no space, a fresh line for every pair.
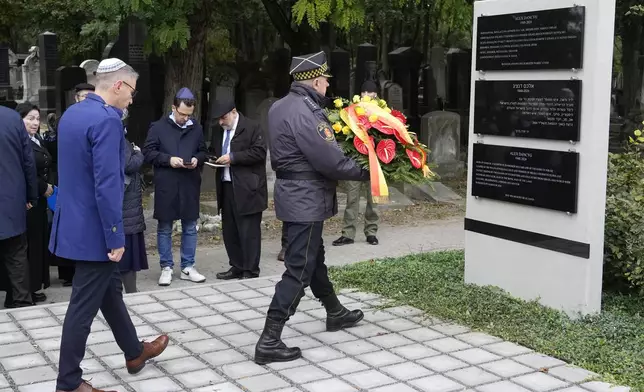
538,149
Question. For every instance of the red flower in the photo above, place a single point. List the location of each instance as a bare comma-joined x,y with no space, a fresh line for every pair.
386,150
414,157
400,139
360,146
384,128
399,116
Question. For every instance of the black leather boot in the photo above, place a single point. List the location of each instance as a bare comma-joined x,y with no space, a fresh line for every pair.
270,347
339,317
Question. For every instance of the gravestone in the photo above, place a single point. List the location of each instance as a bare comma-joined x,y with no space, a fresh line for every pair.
439,67
405,65
252,100
280,63
66,79
429,90
440,132
535,209
341,71
223,80
459,65
394,96
31,76
5,82
129,48
90,66
366,52
263,109
48,55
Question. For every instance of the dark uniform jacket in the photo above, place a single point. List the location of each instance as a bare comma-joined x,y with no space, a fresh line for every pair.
303,142
247,167
17,173
176,191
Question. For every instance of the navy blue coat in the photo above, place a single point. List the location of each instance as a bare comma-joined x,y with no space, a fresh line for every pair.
176,191
302,140
88,221
19,183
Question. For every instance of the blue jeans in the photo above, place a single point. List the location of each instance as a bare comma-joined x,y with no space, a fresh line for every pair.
188,243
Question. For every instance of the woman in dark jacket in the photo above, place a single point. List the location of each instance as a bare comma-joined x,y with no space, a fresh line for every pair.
65,267
37,221
135,258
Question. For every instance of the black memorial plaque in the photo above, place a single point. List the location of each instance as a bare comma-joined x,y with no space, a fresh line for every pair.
547,39
538,178
539,109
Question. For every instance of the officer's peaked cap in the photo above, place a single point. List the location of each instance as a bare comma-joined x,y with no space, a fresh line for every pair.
309,66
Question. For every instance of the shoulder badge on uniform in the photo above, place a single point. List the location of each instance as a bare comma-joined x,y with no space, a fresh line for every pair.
325,132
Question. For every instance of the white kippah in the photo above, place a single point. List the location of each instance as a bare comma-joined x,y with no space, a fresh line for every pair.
110,65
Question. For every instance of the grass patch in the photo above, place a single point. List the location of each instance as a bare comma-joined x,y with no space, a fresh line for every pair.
610,344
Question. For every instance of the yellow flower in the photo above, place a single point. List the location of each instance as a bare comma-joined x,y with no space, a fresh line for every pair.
373,118
360,111
356,98
337,127
366,98
338,103
346,130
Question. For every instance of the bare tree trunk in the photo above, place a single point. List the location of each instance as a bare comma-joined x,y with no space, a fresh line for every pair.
185,67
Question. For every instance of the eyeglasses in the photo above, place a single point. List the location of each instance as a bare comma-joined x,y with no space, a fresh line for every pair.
134,92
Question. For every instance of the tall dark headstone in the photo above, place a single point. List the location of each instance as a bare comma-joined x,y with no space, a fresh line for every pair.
5,83
66,78
429,90
341,70
281,79
48,53
405,67
366,52
459,65
129,48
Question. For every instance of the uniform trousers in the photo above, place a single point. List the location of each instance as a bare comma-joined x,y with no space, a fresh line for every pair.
242,234
15,269
96,285
304,261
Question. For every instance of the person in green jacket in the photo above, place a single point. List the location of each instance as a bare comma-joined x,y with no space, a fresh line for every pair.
354,189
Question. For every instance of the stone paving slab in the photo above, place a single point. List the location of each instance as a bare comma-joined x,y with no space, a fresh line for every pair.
213,330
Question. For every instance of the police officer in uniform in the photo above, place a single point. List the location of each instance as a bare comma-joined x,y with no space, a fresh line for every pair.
308,163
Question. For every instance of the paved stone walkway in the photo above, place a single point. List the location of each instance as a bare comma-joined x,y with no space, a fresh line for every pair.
214,328
395,241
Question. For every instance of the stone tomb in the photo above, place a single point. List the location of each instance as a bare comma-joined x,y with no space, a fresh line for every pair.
66,80
440,132
48,52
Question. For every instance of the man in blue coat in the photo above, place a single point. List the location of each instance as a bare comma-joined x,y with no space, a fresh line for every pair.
18,193
88,223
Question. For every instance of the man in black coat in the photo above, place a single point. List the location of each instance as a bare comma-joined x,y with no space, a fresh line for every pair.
175,147
18,193
242,194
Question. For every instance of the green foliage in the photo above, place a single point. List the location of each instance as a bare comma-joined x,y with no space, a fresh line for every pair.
342,13
624,229
610,344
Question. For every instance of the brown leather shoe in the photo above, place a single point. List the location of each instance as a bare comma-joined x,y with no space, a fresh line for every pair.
85,387
150,350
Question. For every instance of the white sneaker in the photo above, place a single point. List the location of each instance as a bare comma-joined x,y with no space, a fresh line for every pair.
166,277
192,275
